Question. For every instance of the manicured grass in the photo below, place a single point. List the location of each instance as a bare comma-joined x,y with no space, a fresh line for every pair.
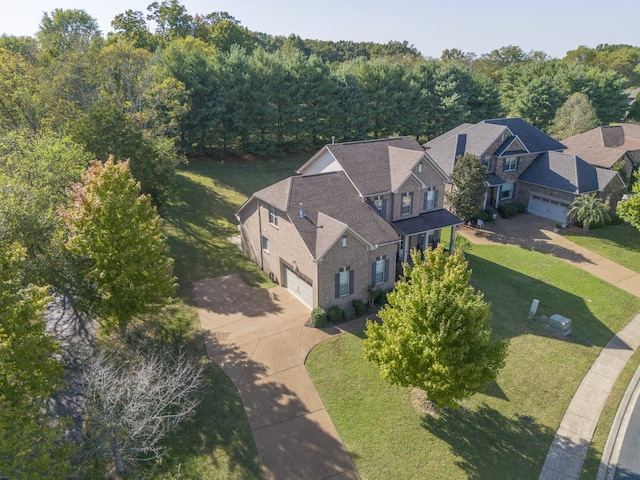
620,243
217,444
506,431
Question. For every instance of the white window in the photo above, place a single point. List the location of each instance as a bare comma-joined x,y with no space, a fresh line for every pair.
406,204
420,167
343,282
273,216
379,273
344,241
430,199
510,164
377,202
265,244
506,191
486,161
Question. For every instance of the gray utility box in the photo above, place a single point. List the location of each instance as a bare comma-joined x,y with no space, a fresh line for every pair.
560,324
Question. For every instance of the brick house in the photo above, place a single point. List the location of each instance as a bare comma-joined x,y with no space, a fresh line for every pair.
615,147
526,165
347,219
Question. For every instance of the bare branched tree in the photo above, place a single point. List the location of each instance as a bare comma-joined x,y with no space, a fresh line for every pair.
132,406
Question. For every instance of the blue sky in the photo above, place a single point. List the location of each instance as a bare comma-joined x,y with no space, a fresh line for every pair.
554,26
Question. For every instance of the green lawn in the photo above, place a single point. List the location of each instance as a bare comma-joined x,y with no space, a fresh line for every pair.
620,243
385,435
505,432
217,444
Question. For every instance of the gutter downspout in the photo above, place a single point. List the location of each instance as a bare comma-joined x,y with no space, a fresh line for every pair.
260,235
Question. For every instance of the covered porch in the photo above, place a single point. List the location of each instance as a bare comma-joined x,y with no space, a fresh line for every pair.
424,231
494,192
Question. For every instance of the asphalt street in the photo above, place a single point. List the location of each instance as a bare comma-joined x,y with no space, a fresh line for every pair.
628,465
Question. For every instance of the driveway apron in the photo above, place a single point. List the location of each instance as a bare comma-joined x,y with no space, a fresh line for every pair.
258,338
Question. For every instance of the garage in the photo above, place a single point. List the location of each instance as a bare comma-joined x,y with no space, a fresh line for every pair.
298,286
551,208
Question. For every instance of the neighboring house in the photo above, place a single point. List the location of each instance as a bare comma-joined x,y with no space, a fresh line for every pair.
524,164
347,220
615,147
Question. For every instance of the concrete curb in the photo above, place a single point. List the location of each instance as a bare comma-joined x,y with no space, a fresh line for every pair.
609,461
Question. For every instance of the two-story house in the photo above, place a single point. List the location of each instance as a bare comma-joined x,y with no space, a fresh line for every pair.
524,164
353,212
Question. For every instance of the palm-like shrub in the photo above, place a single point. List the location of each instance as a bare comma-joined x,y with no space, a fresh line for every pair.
588,209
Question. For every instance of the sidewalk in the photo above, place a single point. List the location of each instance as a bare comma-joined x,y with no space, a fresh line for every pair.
570,445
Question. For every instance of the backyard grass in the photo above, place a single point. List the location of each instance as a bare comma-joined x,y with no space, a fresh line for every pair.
619,243
199,220
506,431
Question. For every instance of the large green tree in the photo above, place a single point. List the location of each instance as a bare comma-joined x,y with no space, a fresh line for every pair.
575,116
435,331
469,187
119,235
629,208
31,443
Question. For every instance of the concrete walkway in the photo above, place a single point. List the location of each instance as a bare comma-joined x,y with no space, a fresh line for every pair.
258,338
569,448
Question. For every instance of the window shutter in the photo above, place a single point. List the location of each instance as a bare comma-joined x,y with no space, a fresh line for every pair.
386,270
426,199
384,208
373,273
337,285
351,278
435,198
504,165
517,163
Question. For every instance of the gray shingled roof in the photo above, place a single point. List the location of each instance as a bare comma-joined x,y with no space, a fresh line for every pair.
606,176
427,221
561,171
330,203
367,163
533,139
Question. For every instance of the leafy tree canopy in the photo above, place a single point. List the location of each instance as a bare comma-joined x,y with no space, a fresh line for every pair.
434,333
629,208
469,187
119,234
575,116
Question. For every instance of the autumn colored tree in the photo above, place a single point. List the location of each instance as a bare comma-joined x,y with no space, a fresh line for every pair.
435,331
119,234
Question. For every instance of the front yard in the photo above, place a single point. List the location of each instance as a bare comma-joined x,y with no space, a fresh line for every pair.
506,431
620,243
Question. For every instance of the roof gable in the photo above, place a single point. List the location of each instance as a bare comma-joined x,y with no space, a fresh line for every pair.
532,139
561,171
604,146
322,207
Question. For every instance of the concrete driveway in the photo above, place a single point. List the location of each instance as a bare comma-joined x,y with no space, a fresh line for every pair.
258,338
536,233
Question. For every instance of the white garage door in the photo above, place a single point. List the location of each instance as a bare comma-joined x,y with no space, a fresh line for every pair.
552,209
298,287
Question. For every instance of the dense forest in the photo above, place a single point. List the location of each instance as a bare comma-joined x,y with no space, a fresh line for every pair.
164,86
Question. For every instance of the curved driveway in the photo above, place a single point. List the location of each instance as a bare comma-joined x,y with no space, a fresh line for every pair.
258,338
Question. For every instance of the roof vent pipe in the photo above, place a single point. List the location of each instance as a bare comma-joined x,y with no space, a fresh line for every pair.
333,139
302,214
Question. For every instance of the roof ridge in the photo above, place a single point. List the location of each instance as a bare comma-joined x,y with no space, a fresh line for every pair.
372,140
